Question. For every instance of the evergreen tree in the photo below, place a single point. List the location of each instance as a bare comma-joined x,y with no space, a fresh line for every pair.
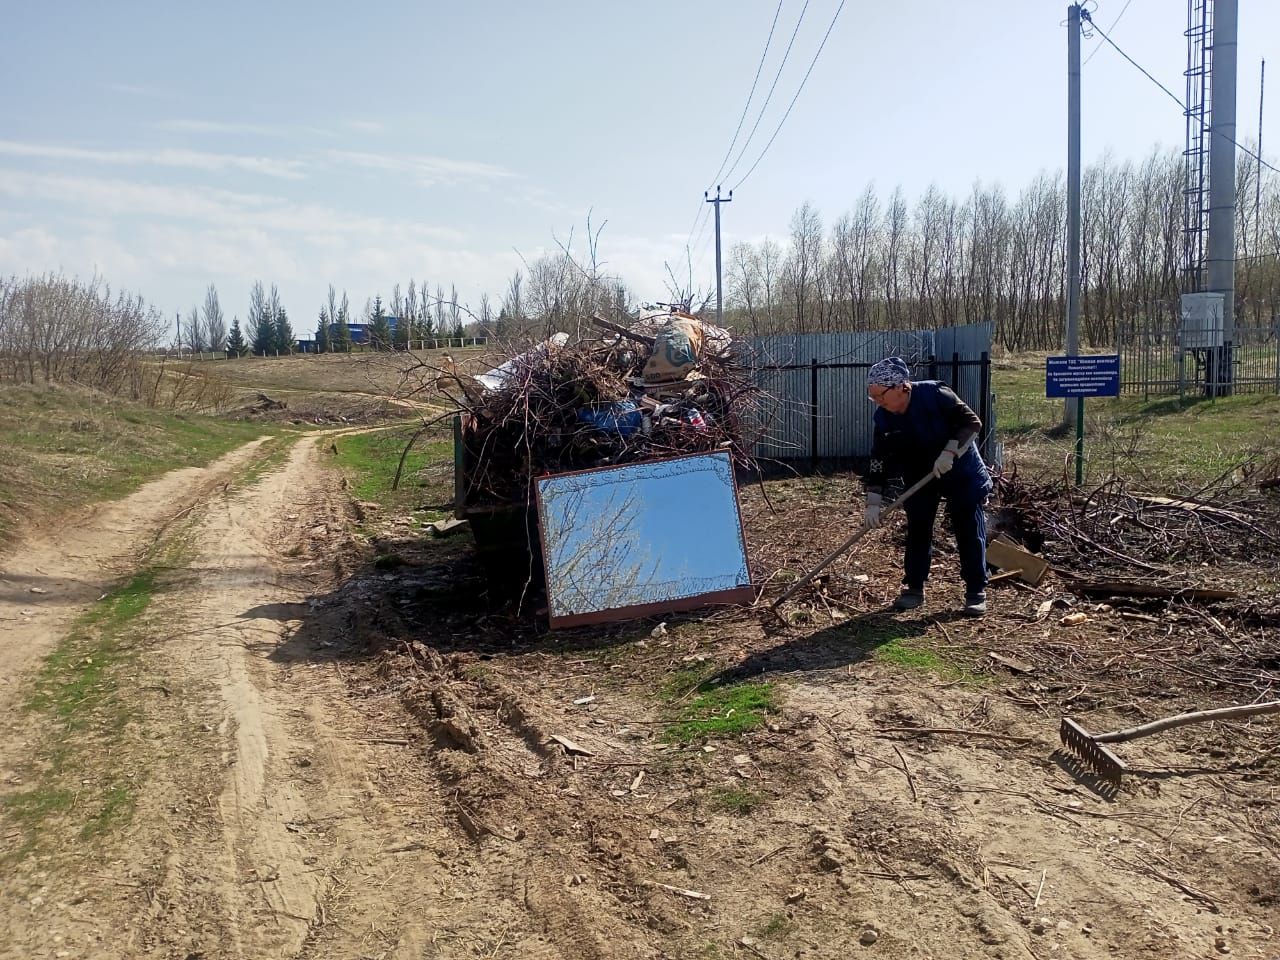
322,332
286,342
403,331
379,327
342,333
236,347
262,327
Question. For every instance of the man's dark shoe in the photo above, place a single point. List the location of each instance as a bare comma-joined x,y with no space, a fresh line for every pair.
909,599
975,604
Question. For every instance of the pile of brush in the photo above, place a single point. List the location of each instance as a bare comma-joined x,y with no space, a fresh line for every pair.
1117,528
624,396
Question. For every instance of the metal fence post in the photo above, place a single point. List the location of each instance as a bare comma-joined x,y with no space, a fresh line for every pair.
1276,334
984,401
813,413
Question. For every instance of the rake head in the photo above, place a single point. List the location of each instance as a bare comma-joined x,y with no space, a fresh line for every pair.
1091,753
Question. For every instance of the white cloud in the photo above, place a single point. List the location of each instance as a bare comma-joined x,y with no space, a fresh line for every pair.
188,159
367,126
427,169
222,208
30,250
214,126
168,242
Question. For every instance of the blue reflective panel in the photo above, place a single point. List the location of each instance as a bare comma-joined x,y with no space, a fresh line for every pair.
642,533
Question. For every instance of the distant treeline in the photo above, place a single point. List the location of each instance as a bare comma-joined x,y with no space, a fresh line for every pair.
986,256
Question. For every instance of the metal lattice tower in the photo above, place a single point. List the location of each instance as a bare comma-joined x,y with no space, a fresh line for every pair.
1195,190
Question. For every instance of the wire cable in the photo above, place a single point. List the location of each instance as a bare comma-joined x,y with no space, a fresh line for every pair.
1095,50
747,106
1172,96
702,207
778,129
774,86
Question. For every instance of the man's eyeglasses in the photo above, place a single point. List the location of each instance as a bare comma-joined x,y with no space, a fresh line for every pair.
877,394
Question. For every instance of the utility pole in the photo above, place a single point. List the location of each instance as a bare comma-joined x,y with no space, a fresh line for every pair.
1220,255
1073,408
178,321
719,274
1257,180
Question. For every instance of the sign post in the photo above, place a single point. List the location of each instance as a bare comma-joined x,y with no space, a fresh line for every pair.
1080,377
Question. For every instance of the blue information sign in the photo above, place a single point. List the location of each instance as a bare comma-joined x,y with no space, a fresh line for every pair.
1093,376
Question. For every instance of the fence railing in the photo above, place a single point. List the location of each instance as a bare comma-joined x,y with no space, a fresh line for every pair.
1154,361
820,410
308,347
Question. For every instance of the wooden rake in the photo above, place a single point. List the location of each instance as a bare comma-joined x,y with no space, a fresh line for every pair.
1092,751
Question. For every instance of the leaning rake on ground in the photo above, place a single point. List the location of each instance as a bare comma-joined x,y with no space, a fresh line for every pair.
1092,751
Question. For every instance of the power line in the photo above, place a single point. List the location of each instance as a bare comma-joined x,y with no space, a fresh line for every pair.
702,210
1172,96
776,77
1112,27
778,130
746,106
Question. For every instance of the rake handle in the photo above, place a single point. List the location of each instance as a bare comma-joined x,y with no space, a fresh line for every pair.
1196,716
852,539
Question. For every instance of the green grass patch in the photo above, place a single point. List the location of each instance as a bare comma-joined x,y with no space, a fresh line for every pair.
913,653
270,456
1167,442
74,782
736,801
371,459
76,683
723,712
679,683
776,927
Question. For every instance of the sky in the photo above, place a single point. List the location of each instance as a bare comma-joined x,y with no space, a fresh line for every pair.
168,146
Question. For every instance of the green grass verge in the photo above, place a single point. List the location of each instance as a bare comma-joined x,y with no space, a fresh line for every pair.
1165,441
76,785
371,459
65,447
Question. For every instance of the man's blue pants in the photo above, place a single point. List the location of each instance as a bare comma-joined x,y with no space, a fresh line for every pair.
964,507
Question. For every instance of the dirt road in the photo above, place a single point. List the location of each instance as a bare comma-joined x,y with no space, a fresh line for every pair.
329,757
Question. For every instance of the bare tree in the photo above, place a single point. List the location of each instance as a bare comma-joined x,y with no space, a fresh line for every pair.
215,322
194,331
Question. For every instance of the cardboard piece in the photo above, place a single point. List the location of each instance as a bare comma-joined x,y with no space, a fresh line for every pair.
1006,555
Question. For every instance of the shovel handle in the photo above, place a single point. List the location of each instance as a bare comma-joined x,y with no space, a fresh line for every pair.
1196,716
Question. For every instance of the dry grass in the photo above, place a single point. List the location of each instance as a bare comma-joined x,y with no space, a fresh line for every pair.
381,374
67,446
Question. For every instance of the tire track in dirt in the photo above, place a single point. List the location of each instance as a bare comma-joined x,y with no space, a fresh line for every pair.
297,823
54,573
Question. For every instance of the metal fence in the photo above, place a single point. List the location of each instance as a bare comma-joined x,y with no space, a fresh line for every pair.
815,385
308,347
1154,361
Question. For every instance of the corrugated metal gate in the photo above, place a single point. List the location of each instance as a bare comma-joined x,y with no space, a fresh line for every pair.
816,405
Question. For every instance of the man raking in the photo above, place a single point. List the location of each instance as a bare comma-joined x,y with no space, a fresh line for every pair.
920,427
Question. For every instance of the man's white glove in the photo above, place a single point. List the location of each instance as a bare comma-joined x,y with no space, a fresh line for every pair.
874,509
947,458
